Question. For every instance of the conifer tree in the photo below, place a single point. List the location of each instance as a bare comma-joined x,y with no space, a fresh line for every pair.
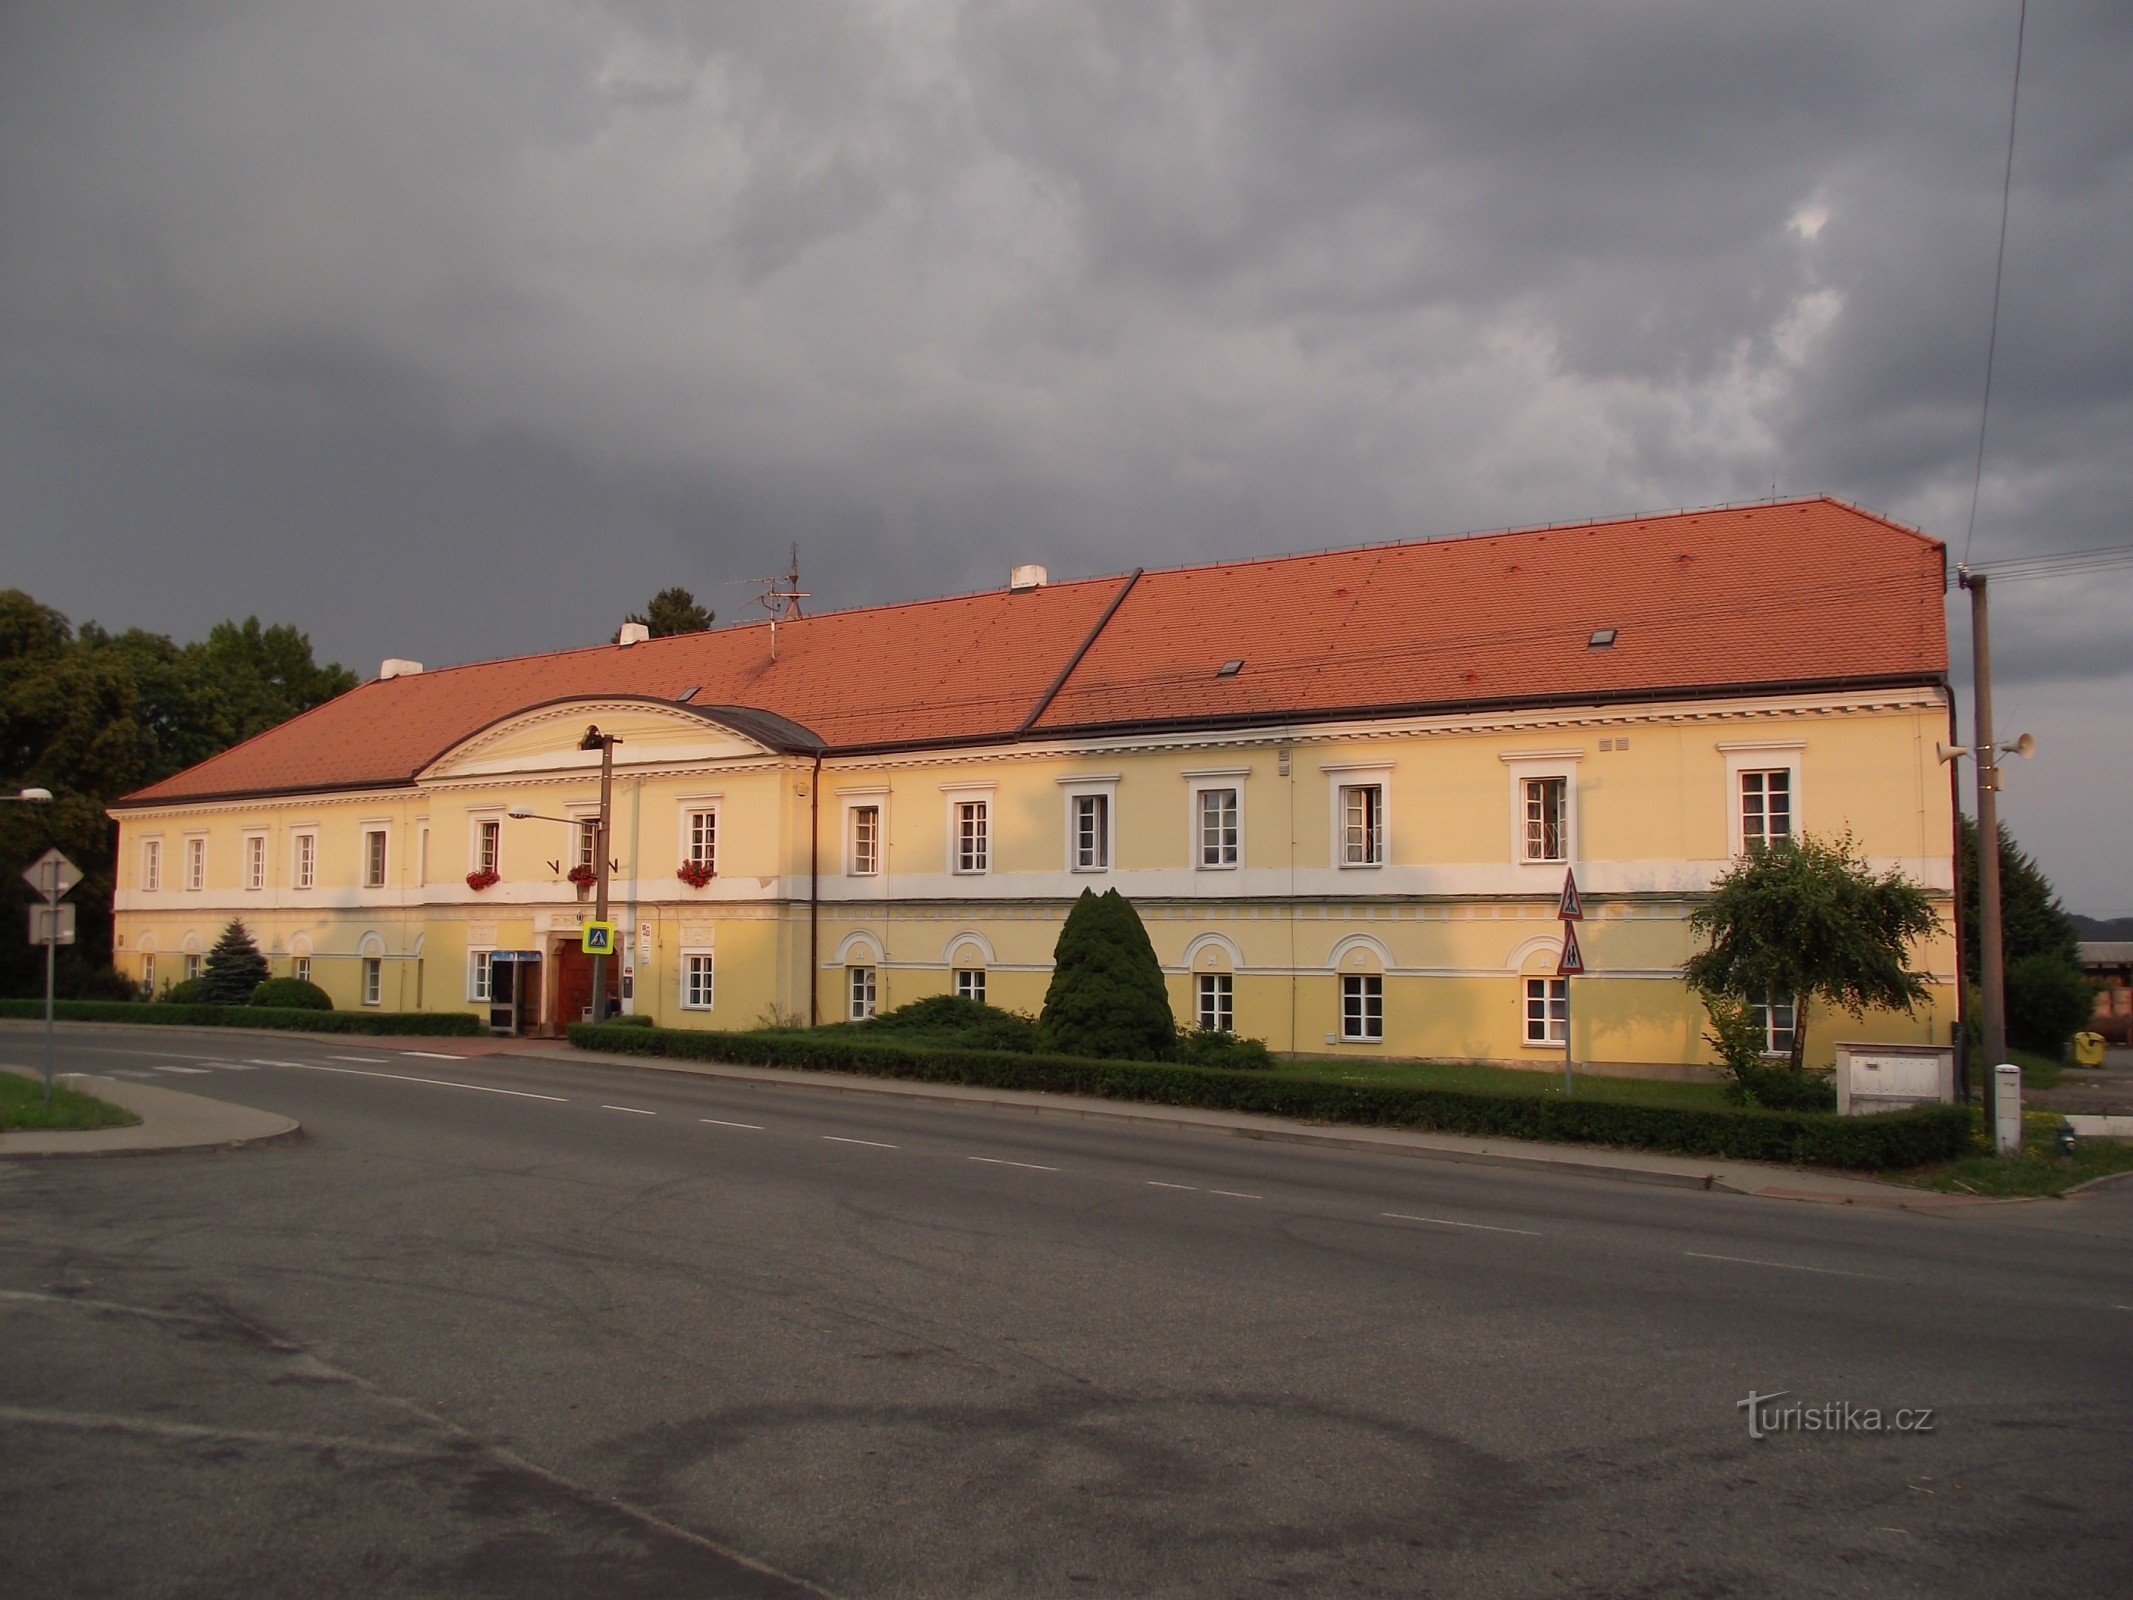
1107,995
234,968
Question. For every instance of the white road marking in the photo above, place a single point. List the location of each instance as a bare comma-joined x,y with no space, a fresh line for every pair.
432,1055
262,1061
1783,1266
752,1127
995,1161
876,1143
196,1072
368,1061
132,1072
635,1111
233,1066
1155,1183
1235,1194
1446,1222
401,1077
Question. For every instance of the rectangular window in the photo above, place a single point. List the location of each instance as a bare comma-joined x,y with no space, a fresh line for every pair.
1547,818
373,858
973,838
255,861
422,854
865,854
1217,1005
373,979
1092,832
192,968
489,846
300,968
1765,807
588,836
196,864
859,991
1777,1019
703,840
1547,1010
696,982
305,874
1218,828
1362,825
148,972
970,984
1362,1005
152,864
479,973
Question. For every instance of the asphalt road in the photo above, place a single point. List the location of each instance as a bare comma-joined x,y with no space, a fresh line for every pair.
507,1326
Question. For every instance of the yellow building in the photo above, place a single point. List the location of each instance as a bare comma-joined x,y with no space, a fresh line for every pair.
1343,790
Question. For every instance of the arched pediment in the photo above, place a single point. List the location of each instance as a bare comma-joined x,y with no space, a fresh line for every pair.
549,738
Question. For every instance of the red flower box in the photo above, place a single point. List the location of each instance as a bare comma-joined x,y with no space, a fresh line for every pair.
481,879
583,876
694,873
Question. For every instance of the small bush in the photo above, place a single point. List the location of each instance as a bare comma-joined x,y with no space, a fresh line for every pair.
185,992
436,1024
949,1019
634,1020
1753,1078
2048,1001
1202,1047
291,994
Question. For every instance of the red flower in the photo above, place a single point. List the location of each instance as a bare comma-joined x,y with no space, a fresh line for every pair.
694,873
583,876
482,878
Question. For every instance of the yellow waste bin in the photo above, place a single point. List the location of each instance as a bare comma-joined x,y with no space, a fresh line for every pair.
2088,1049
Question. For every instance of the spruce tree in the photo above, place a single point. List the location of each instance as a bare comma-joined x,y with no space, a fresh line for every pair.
1107,995
234,968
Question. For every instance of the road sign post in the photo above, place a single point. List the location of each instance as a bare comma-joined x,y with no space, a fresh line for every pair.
1571,908
53,876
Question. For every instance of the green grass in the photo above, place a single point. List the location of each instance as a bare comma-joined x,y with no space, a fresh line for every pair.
2038,1071
2038,1170
22,1107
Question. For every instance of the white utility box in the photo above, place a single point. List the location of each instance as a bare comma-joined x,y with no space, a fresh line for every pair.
1891,1077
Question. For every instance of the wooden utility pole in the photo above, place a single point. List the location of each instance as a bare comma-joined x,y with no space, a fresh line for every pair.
1991,968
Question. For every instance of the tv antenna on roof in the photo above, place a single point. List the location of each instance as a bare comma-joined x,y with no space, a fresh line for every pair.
781,597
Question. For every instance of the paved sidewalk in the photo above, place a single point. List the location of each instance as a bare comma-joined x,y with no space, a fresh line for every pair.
1763,1179
170,1121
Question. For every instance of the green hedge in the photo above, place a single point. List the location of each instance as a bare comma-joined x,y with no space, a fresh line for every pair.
1893,1139
164,1014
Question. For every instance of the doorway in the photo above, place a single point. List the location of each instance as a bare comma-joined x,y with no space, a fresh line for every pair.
574,985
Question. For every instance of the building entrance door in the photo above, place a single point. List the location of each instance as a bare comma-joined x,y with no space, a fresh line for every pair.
574,985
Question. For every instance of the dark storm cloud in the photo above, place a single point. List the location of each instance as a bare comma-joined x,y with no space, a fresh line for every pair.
455,329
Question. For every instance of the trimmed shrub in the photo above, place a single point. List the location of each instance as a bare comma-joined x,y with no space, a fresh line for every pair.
185,992
234,968
1202,1047
291,994
949,1019
1107,997
634,1020
1892,1139
165,1013
2048,1002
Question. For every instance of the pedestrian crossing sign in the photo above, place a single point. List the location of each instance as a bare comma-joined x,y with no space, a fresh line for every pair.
598,938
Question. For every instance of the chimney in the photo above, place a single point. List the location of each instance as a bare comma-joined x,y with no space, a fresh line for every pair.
1027,576
394,667
632,633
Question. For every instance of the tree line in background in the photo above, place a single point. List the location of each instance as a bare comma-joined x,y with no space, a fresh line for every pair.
93,715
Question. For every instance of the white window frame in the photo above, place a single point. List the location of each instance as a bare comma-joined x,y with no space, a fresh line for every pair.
584,837
255,861
482,828
152,864
857,804
195,862
959,796
481,974
303,858
700,806
1215,1001
300,968
381,831
422,851
373,980
148,971
1198,785
1342,776
697,962
1363,1006
1759,755
862,992
1546,1011
1525,767
192,966
970,984
1777,1035
1101,792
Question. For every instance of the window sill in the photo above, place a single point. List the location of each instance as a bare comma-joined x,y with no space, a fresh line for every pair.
1361,866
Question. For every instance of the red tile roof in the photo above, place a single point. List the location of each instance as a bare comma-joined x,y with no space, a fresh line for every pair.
1803,592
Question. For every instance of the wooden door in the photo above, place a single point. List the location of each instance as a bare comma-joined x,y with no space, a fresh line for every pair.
574,984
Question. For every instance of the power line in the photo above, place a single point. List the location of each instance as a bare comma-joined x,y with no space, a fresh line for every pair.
1999,263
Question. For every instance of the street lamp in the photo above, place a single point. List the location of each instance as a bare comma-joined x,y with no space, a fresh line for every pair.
35,797
604,743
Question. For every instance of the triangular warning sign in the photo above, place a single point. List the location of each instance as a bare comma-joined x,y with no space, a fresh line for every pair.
1570,908
1573,961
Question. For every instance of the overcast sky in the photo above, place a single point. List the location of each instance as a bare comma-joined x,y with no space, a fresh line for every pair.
454,329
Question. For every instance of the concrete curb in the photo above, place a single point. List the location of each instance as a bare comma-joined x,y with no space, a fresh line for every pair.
171,1122
1743,1178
